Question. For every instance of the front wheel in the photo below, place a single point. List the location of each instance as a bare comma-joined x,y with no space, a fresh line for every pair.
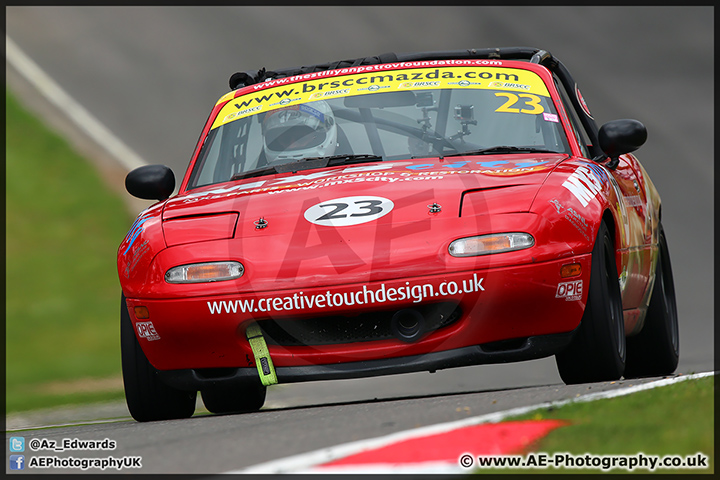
148,398
655,350
598,349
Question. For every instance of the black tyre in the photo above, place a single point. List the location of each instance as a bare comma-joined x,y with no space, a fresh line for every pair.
598,349
148,398
237,399
655,350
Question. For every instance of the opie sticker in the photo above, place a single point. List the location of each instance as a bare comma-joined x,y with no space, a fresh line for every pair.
570,291
340,212
147,330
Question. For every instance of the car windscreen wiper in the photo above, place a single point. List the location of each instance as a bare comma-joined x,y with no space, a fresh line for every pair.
254,173
344,159
502,149
329,161
308,164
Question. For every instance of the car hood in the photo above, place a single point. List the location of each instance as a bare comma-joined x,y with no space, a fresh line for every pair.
466,185
389,218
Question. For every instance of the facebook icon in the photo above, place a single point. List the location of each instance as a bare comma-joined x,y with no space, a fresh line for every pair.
17,462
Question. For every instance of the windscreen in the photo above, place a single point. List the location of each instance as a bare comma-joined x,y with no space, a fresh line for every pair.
400,114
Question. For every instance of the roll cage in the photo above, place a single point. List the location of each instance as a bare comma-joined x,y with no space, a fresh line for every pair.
532,55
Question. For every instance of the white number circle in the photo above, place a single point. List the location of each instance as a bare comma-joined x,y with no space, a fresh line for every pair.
340,212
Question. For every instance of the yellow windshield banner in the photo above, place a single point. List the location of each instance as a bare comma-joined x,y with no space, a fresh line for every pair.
486,78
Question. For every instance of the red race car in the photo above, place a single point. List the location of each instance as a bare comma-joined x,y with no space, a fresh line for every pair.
394,214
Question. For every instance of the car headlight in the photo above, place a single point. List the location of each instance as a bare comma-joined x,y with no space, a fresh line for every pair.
487,244
205,272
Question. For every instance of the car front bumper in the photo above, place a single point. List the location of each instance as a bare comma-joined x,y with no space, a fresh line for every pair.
525,306
529,348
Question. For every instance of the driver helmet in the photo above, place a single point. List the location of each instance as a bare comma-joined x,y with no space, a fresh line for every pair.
299,131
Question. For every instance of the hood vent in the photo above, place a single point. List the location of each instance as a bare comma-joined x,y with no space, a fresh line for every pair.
497,200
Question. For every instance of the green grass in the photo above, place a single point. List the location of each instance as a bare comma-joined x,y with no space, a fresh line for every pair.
63,228
677,419
32,400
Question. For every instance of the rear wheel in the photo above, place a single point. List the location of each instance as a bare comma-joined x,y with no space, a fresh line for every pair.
655,350
249,397
148,398
598,349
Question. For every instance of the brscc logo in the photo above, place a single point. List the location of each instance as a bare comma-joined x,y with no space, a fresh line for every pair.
17,462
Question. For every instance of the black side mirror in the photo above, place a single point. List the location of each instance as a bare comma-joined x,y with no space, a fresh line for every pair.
151,182
619,137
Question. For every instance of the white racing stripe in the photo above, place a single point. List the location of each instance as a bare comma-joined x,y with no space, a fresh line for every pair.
52,92
304,463
71,424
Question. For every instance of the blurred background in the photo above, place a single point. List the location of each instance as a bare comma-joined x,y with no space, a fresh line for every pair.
151,76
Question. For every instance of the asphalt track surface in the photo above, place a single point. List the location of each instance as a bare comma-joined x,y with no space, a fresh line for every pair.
151,75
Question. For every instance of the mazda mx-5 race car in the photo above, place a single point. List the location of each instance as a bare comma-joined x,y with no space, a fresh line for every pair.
394,214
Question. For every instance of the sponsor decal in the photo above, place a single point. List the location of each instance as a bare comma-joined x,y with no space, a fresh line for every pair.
583,184
621,210
138,252
312,111
550,117
622,279
341,212
271,95
578,221
599,171
558,206
285,101
508,168
373,88
136,229
241,113
581,100
530,102
368,68
572,216
283,113
418,84
464,83
513,171
355,174
504,165
516,86
383,293
370,173
147,331
318,95
388,177
633,201
510,164
570,291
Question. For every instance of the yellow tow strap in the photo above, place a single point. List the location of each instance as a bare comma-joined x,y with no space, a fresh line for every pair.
263,362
